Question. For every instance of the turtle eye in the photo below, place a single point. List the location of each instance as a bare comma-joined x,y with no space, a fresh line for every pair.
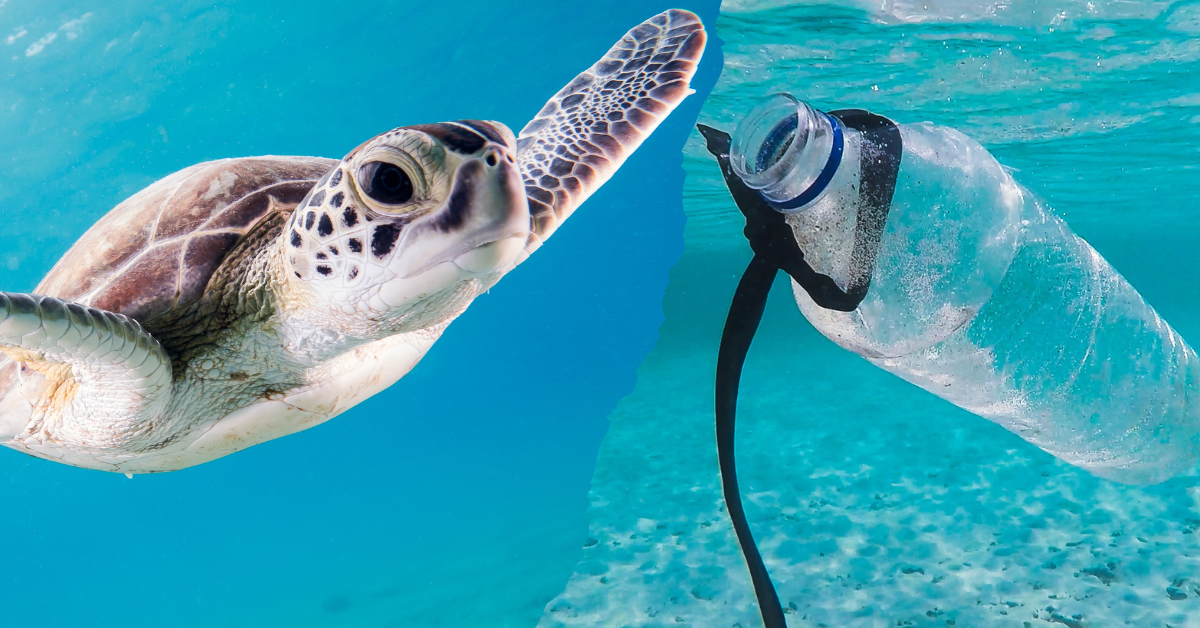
386,183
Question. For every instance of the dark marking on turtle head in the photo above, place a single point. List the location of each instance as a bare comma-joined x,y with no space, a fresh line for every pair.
309,220
355,245
324,270
384,239
460,139
336,178
353,272
458,206
349,216
337,199
317,199
324,226
486,129
296,241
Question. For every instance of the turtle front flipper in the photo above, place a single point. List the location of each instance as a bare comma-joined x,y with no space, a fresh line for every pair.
580,138
105,380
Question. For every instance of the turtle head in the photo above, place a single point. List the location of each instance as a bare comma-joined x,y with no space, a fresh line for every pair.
410,214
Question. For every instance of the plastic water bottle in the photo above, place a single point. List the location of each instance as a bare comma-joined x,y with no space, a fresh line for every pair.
979,294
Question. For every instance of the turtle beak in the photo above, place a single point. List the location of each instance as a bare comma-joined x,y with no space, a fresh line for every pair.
484,223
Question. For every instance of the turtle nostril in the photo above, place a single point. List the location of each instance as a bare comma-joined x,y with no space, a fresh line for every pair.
491,159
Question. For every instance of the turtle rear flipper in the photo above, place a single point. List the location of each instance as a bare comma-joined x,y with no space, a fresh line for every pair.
104,375
580,138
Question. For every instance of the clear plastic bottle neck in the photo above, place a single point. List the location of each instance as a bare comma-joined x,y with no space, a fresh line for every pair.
787,151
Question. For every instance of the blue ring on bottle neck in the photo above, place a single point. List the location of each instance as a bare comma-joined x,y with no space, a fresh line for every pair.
835,159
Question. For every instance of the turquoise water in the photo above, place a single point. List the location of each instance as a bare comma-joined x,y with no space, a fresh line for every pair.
874,503
457,497
519,476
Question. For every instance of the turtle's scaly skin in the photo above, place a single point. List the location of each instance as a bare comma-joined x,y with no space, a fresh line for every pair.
576,141
242,300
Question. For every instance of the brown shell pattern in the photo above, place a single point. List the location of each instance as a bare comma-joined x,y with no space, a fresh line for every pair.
157,250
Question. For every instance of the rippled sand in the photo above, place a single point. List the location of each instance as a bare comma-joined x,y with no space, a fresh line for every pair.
873,504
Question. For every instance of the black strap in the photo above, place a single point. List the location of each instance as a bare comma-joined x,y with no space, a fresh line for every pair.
775,248
745,312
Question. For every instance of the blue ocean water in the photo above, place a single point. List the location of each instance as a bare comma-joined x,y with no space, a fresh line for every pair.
455,498
875,503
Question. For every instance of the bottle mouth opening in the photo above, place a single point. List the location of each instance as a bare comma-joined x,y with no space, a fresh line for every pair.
768,137
778,141
787,151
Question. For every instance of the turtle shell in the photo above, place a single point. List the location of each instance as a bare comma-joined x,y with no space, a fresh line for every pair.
157,251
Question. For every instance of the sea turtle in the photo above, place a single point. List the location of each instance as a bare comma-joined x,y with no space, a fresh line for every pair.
241,300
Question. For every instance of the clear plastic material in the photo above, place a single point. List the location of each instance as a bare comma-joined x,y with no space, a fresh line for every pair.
982,296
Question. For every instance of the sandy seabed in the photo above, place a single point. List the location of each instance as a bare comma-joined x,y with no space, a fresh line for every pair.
874,504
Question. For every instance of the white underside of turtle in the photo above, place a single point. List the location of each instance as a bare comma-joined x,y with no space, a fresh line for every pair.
242,300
